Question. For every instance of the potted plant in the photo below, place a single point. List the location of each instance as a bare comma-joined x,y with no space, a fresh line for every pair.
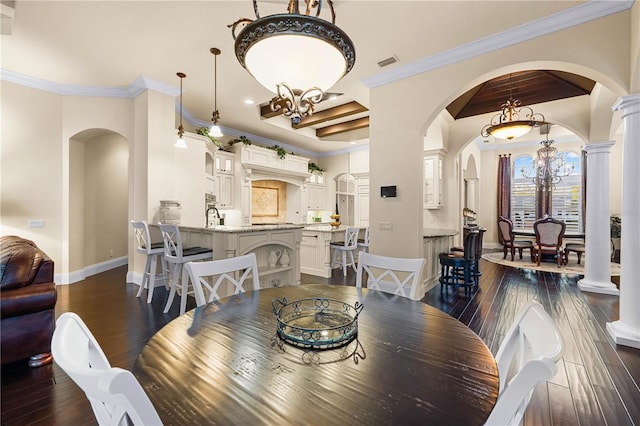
313,167
204,131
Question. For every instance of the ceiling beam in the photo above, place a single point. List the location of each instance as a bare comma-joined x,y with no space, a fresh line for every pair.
347,126
329,114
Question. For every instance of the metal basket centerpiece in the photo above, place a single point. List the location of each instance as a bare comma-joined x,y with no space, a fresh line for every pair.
317,323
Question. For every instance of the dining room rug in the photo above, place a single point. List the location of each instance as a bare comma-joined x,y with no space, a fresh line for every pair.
571,268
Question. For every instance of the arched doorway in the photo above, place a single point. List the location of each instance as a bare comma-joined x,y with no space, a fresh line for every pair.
98,201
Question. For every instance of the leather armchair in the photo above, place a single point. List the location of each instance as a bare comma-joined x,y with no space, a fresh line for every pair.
27,302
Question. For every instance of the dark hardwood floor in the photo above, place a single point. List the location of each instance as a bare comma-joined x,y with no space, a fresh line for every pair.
597,383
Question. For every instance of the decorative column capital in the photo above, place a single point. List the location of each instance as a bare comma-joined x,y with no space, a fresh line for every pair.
628,104
599,147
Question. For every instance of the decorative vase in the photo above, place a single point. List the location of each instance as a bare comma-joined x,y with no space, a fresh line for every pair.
273,257
284,258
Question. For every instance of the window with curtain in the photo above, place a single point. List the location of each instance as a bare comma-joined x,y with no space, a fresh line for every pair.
566,201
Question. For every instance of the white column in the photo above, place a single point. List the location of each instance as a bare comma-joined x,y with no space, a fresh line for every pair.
597,263
626,331
470,185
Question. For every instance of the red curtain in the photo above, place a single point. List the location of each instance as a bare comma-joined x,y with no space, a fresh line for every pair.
504,186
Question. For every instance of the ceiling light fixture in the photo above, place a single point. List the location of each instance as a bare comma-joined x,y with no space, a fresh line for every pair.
180,143
549,168
215,117
297,56
507,124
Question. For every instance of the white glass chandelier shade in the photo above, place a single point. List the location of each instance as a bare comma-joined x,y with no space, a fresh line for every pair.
511,130
299,61
215,131
180,143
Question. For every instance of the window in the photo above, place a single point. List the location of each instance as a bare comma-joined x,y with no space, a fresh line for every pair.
566,201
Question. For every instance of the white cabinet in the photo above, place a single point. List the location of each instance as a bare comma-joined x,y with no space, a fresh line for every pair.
224,162
225,193
266,159
315,253
363,201
316,191
433,188
345,198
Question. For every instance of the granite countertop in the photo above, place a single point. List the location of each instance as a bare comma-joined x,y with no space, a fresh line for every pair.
325,228
437,232
238,229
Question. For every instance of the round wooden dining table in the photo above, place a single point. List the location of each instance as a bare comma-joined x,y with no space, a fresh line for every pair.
223,363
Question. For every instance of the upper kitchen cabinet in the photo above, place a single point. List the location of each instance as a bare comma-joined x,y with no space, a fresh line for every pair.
224,162
268,160
316,191
345,198
433,187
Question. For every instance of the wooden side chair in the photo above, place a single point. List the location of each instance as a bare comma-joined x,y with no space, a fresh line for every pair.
549,233
236,272
505,227
400,276
527,356
116,396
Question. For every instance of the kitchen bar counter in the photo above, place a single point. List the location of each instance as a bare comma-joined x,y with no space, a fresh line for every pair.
240,229
435,241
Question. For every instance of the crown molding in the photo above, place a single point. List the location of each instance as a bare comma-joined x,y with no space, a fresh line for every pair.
580,14
138,86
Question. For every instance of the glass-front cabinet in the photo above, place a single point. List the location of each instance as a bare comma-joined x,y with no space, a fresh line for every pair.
433,188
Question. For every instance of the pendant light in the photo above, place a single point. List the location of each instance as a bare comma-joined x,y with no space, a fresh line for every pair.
215,129
180,143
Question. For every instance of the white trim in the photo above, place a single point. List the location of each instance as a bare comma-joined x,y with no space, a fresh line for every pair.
580,14
138,86
75,276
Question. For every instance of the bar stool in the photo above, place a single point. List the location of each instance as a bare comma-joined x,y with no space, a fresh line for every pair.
345,248
154,251
177,256
363,243
459,271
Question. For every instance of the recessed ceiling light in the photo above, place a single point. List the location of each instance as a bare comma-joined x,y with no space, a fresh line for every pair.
249,101
333,97
352,143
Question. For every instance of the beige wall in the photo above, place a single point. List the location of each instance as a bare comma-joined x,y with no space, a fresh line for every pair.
597,49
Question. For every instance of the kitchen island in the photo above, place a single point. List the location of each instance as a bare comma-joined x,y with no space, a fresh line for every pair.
315,252
263,240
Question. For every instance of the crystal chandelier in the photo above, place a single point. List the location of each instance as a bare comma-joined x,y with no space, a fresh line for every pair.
297,56
513,120
549,168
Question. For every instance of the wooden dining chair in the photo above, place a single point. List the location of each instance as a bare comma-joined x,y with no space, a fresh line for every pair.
549,233
116,396
530,350
505,227
235,273
177,255
153,252
391,274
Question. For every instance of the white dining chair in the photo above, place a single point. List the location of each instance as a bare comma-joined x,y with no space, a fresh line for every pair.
115,395
530,348
363,243
344,249
177,255
153,252
391,274
235,271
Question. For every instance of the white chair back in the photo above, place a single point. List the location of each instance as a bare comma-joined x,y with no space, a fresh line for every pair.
351,238
532,346
143,239
236,270
115,394
172,242
388,272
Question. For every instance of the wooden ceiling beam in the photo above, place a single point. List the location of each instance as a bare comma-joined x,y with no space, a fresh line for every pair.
347,126
329,114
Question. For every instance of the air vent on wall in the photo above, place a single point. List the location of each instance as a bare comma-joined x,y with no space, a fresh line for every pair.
391,60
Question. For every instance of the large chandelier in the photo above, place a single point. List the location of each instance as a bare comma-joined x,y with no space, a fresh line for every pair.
549,167
295,55
513,121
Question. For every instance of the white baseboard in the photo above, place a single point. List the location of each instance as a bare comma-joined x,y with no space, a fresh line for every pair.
75,276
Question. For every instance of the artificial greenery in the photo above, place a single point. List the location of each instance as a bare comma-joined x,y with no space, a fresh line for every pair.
245,140
313,167
280,151
204,131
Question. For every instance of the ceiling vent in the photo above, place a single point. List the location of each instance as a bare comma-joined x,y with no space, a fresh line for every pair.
391,60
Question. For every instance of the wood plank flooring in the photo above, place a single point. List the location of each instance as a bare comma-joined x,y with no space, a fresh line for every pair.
597,383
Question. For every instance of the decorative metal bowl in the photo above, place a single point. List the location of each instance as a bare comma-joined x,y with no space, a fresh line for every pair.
317,323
